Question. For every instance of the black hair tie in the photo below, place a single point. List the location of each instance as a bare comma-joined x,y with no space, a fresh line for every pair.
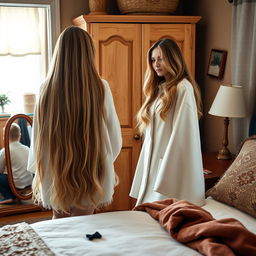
93,236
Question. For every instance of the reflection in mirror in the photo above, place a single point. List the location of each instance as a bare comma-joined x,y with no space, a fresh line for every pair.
15,182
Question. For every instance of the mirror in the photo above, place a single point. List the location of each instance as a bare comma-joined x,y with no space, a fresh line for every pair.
16,145
12,137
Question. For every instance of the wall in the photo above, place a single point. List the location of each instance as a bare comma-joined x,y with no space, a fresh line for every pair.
70,10
213,32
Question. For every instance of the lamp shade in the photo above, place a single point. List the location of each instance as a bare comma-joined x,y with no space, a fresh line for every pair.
229,102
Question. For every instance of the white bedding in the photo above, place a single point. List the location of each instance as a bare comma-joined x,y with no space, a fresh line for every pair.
221,211
123,233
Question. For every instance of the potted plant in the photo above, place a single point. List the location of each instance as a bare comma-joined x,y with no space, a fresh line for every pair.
4,100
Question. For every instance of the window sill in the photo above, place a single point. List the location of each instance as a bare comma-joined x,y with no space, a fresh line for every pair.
6,116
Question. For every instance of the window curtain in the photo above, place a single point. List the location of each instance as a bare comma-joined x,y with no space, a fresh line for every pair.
243,62
19,28
44,41
24,31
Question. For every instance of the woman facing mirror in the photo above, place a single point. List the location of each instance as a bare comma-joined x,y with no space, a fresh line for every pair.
14,177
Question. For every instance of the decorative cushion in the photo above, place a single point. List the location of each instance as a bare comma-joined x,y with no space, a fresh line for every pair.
237,187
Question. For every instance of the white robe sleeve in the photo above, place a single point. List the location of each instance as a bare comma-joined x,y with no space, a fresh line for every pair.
112,122
2,160
181,172
112,144
31,167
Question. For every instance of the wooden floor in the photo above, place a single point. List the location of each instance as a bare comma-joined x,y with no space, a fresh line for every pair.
29,215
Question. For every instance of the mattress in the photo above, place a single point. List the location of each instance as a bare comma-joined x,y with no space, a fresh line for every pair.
221,211
123,233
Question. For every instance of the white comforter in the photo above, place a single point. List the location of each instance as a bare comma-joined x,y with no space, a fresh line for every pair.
123,233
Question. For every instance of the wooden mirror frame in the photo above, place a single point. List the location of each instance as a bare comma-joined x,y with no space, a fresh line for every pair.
9,122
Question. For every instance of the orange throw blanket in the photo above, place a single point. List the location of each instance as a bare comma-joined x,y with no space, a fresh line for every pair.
196,228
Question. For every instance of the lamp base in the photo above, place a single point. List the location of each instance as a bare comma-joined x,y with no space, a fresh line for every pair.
224,154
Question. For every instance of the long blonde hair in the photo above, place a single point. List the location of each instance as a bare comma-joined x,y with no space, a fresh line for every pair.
177,69
70,117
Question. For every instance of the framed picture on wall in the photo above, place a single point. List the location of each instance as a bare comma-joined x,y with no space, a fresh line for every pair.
217,63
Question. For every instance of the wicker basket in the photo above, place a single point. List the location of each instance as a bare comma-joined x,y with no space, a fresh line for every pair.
157,7
98,7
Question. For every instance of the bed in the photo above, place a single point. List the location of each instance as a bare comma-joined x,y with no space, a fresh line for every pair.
136,232
123,233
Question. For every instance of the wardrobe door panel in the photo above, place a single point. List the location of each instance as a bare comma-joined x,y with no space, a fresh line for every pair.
183,34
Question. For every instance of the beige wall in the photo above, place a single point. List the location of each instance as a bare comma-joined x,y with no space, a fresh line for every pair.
213,32
70,10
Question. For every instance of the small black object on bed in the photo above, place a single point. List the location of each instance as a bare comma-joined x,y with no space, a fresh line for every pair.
93,236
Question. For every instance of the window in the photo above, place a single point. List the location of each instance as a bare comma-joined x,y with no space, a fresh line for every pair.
29,30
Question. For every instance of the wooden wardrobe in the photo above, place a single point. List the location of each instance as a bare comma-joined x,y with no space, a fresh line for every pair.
122,42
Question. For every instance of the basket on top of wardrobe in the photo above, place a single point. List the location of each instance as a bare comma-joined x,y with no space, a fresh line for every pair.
146,7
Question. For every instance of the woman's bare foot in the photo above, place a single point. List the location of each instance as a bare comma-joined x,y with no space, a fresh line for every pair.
79,212
74,212
7,201
58,215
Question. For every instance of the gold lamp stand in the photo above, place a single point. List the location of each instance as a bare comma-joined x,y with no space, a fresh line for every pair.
228,103
224,152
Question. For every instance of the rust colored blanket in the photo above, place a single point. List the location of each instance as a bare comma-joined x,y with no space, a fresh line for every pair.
196,228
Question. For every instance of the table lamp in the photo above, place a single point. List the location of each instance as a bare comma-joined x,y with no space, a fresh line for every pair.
229,102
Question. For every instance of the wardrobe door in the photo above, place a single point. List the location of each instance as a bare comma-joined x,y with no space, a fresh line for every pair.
118,51
183,34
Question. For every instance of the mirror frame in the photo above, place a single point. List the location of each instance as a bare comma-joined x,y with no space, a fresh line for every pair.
8,156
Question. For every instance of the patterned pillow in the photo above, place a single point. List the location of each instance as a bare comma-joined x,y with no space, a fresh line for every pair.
237,187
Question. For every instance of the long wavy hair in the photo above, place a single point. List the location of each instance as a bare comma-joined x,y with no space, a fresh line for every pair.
70,120
177,69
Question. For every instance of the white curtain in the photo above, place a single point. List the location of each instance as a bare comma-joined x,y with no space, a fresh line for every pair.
44,41
19,31
24,52
243,62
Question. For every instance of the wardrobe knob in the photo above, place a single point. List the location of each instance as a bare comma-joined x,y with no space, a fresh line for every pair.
136,137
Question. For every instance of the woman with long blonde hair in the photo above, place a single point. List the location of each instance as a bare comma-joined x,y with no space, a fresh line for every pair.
170,163
76,132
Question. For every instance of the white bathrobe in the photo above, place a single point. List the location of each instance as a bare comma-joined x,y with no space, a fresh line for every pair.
111,148
170,163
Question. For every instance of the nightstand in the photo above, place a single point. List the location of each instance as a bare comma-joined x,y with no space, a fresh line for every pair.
215,166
